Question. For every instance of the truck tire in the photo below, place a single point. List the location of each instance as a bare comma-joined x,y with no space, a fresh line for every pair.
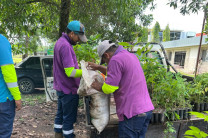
26,85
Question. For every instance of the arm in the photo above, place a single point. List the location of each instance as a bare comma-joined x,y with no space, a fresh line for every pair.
107,89
112,81
66,53
94,66
10,77
8,70
102,69
71,72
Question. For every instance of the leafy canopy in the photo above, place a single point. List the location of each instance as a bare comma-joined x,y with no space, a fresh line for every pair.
113,19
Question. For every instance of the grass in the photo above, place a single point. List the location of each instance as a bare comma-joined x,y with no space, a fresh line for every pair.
17,58
32,99
39,98
190,75
21,119
81,102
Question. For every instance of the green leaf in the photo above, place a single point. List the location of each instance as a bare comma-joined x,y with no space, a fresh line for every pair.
177,116
197,114
124,44
206,119
203,134
195,129
189,137
189,132
197,135
206,112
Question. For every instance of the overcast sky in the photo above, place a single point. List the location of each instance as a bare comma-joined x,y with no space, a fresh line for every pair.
166,15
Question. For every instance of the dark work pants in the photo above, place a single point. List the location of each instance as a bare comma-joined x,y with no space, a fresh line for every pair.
66,114
7,114
134,127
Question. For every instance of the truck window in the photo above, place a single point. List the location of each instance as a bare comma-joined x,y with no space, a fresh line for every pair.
32,63
48,63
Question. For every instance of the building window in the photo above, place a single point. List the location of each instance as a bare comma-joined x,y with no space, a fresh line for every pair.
169,56
175,35
160,36
204,56
190,34
180,58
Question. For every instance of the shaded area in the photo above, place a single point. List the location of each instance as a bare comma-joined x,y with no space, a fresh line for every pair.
37,117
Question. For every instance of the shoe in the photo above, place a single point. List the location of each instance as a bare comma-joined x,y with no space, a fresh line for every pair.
58,135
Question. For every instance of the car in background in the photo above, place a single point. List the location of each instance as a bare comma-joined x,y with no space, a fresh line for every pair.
29,73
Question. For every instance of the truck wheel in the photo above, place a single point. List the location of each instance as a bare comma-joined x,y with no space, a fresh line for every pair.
26,86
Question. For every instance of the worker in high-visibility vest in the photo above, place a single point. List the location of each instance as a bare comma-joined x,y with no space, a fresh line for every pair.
10,97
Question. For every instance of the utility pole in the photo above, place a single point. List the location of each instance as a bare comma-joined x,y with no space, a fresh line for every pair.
199,50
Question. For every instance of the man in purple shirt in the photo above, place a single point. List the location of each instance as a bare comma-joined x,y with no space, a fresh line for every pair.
66,79
126,80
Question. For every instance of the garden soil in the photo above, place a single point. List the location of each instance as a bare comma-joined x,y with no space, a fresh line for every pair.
35,120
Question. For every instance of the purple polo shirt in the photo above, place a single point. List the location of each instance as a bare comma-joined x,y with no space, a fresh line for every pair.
64,57
132,97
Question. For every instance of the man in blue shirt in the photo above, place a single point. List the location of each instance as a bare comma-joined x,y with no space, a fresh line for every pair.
10,97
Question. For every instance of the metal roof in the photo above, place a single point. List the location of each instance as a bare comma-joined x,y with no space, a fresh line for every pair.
194,41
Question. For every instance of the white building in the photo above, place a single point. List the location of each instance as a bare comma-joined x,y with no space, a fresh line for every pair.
183,54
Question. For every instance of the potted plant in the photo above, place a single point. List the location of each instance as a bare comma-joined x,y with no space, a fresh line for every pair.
198,91
167,90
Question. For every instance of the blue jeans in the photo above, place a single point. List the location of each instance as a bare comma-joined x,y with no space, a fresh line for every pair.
66,114
134,127
7,114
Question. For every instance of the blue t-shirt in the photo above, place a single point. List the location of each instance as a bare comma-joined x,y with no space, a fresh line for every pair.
5,58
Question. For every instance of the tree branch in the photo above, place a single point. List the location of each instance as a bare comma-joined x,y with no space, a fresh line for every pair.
43,1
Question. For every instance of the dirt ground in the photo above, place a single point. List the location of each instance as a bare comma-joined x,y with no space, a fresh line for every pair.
35,120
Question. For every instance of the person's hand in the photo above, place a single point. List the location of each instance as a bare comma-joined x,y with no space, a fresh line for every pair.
97,85
18,104
92,66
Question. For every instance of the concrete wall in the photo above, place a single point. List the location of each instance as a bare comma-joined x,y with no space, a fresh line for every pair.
190,59
203,67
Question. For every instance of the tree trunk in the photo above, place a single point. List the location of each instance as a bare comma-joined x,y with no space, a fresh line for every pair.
26,47
64,15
